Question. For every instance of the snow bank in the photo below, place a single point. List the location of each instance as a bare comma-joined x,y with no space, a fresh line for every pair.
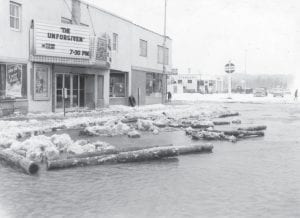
39,148
134,134
111,128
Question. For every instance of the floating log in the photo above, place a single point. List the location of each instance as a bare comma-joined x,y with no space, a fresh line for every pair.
206,135
221,123
146,154
114,151
124,157
182,150
229,115
253,128
229,135
16,160
244,134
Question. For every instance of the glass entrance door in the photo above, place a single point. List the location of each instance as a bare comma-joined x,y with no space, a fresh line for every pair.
63,81
78,93
59,90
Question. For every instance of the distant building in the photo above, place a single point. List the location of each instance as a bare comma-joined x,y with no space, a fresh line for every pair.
195,83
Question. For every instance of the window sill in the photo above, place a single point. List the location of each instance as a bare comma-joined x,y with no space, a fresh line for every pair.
13,99
117,97
15,30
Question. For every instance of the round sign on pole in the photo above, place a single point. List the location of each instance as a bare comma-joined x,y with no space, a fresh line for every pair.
229,67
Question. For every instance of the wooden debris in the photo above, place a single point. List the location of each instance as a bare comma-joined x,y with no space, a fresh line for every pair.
182,150
236,121
146,154
221,123
114,151
253,128
124,157
202,124
229,115
228,135
240,133
16,160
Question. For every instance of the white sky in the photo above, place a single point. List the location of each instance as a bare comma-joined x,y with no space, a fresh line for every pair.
208,33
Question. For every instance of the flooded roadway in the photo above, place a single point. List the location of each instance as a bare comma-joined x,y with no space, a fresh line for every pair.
252,178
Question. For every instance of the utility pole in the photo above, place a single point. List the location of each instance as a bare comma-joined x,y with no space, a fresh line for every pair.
164,50
245,61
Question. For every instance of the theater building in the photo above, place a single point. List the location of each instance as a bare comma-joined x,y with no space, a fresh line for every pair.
68,54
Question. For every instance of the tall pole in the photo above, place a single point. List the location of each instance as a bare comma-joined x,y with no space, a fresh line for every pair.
229,85
246,61
164,51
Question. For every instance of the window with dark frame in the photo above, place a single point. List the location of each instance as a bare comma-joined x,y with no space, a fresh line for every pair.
153,83
15,15
143,48
115,41
190,81
117,86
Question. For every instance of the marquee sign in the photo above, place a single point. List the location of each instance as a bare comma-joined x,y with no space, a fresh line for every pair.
70,41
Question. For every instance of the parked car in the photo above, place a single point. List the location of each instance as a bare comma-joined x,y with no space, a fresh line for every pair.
248,91
260,92
278,93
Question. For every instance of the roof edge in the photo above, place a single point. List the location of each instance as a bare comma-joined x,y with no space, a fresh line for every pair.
122,18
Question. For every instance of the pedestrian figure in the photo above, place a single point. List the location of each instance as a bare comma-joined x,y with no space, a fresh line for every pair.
169,96
296,95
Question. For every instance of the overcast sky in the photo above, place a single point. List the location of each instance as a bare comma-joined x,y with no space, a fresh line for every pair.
208,33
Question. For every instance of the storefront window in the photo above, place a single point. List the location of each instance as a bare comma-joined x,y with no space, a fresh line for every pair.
13,81
117,85
2,81
153,83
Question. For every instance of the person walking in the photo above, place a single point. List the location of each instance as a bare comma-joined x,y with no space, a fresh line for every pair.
296,95
169,94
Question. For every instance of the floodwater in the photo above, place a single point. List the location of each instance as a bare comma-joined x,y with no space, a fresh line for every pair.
257,177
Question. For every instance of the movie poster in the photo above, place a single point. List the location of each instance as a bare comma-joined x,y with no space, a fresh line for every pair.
41,83
14,81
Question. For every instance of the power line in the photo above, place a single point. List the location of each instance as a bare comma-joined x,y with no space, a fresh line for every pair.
68,7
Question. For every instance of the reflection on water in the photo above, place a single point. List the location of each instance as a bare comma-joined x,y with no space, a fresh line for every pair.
252,178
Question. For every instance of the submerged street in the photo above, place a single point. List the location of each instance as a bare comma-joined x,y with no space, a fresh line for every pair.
257,177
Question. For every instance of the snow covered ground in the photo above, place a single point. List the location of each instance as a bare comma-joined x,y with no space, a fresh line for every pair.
25,134
244,98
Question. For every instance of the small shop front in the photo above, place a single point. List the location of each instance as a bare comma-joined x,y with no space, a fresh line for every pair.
148,87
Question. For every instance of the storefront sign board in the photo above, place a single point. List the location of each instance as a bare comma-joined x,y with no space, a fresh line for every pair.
65,40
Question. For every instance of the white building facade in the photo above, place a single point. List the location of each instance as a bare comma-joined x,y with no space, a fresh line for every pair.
68,54
195,83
